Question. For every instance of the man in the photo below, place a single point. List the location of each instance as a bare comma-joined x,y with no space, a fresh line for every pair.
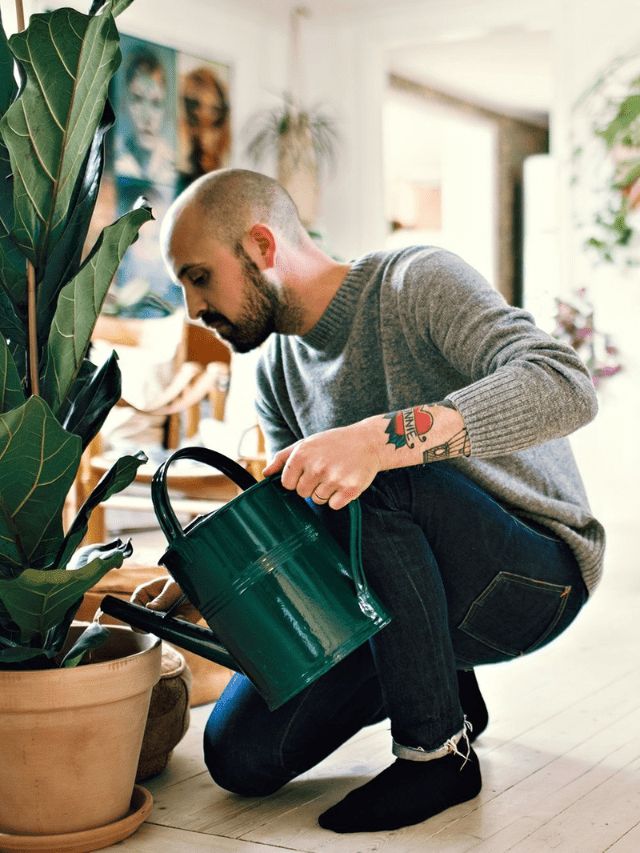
403,379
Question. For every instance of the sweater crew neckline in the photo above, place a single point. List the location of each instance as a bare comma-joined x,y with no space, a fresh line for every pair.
337,315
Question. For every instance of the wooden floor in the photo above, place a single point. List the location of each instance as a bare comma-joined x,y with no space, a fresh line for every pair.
560,758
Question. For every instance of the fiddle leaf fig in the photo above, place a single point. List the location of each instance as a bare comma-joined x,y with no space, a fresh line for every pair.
114,6
8,86
11,393
79,304
38,601
49,128
64,260
92,637
121,474
97,394
38,463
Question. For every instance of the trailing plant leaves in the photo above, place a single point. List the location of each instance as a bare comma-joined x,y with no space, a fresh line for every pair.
11,393
118,477
8,86
80,302
64,260
93,401
627,114
38,601
91,638
48,130
38,462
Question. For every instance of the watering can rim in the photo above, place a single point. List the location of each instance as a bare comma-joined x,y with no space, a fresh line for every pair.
231,504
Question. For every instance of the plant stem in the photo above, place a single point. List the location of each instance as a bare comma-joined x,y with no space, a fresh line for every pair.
20,15
31,281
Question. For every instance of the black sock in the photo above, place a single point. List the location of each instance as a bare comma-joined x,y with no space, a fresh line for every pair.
405,793
472,702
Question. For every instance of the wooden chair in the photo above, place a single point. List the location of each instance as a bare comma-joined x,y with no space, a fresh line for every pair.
201,374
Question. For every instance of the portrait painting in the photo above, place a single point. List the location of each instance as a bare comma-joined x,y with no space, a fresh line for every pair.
143,140
204,117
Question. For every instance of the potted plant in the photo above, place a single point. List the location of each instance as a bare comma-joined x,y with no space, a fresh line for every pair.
59,755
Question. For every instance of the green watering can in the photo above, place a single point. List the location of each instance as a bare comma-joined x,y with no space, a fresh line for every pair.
283,599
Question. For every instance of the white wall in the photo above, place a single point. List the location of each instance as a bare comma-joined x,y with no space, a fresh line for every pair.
455,151
609,30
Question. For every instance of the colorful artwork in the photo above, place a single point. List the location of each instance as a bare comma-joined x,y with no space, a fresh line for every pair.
173,120
204,128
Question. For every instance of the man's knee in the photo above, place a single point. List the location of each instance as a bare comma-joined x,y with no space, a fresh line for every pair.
236,764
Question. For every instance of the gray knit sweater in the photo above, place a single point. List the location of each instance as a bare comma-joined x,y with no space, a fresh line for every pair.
419,325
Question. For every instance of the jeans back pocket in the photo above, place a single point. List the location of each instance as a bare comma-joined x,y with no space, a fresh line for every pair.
515,614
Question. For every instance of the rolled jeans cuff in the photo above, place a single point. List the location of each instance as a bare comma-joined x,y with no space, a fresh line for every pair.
418,753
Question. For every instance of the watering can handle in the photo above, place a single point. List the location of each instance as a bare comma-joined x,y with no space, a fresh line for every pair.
168,522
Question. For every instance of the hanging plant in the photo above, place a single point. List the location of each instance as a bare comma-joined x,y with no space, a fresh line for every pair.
309,136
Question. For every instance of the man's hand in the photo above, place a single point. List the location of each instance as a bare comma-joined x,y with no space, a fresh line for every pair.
160,594
332,467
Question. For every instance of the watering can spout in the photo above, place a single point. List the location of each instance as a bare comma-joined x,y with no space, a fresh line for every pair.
193,638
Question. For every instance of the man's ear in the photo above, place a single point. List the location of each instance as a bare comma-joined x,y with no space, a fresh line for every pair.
263,240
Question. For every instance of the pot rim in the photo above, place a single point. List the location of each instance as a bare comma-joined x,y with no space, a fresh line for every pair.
82,686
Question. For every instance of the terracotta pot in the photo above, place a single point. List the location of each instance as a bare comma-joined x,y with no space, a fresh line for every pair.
70,738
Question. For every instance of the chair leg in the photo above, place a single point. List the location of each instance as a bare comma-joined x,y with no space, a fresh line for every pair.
96,528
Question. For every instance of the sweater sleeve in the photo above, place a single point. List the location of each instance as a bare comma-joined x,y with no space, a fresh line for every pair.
276,432
524,386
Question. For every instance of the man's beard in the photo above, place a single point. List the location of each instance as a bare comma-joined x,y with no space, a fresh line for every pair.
264,310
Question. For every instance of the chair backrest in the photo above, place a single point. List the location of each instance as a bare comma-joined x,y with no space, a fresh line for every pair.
203,346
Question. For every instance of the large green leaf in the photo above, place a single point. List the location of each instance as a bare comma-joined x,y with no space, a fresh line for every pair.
93,400
38,601
12,555
79,304
11,393
38,462
117,478
93,636
68,60
114,6
64,260
13,264
8,86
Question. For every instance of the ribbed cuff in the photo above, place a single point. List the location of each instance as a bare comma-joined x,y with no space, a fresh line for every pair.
498,416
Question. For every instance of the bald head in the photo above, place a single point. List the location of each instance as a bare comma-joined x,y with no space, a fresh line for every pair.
229,202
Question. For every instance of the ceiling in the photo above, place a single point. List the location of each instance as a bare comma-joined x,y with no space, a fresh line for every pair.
495,54
507,71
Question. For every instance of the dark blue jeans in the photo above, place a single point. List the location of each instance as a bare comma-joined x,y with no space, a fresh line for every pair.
466,583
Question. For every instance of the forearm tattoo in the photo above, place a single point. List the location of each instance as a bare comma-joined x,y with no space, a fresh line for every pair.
408,427
458,445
